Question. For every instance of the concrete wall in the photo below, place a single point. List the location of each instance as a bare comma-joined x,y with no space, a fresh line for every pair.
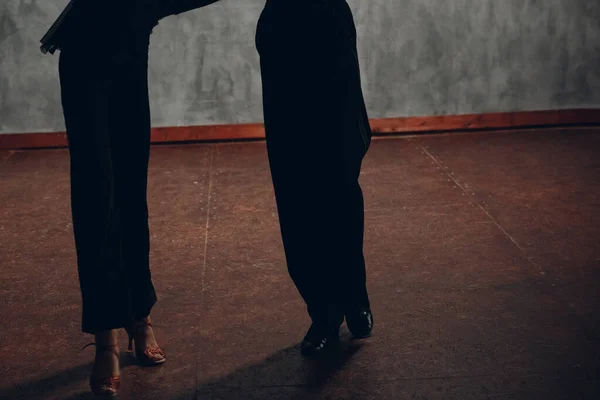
419,57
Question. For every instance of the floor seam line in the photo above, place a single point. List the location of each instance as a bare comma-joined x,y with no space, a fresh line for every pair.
207,227
416,379
457,183
5,161
205,256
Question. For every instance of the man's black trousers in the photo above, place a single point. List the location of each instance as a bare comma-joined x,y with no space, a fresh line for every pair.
317,133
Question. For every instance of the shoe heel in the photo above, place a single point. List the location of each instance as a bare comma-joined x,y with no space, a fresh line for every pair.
104,386
130,344
147,356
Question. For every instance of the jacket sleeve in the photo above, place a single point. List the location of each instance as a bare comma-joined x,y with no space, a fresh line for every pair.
166,8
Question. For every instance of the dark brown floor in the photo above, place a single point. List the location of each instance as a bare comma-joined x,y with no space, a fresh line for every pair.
483,259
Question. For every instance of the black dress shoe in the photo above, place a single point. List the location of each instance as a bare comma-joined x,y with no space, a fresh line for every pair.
320,340
360,322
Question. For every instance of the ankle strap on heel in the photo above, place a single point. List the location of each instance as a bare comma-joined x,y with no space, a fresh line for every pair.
101,347
135,326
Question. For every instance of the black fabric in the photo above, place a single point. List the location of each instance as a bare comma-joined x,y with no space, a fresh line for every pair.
103,75
93,25
50,41
107,116
317,134
106,25
174,7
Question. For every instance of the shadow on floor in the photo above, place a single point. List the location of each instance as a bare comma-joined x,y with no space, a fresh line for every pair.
317,374
46,387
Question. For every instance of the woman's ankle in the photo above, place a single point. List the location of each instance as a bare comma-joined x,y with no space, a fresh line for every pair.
107,338
106,360
138,322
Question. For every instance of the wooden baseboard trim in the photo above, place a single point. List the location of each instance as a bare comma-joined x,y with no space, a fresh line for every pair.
381,127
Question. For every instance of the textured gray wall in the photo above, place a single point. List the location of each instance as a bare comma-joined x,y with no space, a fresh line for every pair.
419,57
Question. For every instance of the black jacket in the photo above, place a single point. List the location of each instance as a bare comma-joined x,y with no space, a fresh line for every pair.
100,21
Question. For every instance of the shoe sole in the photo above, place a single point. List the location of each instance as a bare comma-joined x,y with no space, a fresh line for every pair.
368,335
331,349
152,364
355,336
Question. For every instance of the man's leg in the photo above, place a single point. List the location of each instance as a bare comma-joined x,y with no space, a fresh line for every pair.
354,126
294,171
315,152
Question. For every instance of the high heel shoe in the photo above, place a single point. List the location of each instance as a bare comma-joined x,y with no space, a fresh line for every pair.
149,355
105,386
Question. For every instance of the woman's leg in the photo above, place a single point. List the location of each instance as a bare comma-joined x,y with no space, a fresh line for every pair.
130,149
85,90
86,99
130,146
